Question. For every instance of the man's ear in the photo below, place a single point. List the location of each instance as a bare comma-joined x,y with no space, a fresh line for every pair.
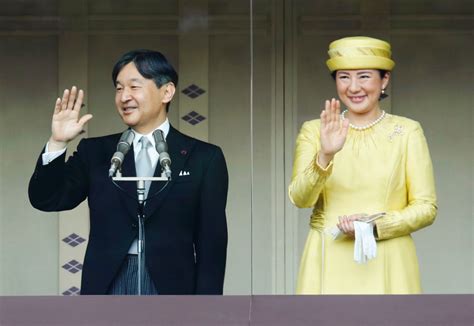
169,90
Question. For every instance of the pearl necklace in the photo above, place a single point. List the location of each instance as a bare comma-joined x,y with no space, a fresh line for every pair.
367,126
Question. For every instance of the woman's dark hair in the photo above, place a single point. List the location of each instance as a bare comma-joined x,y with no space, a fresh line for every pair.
382,73
151,65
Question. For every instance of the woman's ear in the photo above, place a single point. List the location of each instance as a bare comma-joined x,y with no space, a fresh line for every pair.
385,80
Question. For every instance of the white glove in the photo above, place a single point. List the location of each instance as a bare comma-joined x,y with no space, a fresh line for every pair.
365,247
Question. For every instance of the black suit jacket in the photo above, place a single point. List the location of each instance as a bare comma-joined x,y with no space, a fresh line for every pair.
185,225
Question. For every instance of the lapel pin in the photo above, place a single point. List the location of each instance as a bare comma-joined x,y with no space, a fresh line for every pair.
184,152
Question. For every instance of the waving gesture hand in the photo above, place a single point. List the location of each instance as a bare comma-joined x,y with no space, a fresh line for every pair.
333,132
66,124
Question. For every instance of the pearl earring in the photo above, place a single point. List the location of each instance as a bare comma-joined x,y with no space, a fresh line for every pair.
383,95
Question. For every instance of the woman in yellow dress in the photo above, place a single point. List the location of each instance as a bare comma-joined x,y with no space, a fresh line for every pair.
360,162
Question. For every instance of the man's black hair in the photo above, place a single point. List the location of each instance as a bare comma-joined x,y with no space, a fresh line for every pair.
151,65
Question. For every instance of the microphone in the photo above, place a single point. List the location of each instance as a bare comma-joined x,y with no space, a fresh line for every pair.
123,147
162,149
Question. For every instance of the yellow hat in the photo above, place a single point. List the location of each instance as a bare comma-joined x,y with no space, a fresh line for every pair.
359,52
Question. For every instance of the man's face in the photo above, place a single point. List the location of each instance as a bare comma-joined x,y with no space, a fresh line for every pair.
141,104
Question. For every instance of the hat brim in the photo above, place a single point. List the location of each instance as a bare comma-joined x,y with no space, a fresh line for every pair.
360,62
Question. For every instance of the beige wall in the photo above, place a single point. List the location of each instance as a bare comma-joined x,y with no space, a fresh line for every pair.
434,86
29,238
431,83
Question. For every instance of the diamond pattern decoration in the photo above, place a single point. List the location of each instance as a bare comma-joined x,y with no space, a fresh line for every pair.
193,91
193,118
73,266
72,291
73,240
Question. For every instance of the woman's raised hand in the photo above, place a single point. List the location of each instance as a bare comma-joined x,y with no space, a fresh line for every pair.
333,131
67,124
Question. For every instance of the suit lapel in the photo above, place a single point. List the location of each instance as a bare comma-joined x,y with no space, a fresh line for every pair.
179,148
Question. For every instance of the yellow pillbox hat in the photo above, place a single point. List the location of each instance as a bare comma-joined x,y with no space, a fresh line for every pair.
359,52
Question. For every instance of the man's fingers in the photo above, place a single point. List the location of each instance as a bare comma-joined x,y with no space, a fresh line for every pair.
78,101
57,105
84,120
72,98
65,99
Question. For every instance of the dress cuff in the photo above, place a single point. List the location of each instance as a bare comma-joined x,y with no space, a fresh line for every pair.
319,169
387,226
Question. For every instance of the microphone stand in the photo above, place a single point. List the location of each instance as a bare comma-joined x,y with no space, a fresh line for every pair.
141,219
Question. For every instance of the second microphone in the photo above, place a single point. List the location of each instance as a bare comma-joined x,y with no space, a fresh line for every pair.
162,149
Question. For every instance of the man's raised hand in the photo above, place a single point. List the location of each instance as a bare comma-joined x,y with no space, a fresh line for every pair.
67,123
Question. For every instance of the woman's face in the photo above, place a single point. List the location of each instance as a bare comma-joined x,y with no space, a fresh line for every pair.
360,90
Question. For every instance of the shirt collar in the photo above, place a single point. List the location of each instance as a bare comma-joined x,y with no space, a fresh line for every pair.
165,127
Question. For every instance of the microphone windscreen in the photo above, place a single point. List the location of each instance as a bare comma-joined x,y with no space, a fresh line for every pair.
125,141
160,142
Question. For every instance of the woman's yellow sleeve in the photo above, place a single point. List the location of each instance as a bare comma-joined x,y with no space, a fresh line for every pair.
422,208
308,177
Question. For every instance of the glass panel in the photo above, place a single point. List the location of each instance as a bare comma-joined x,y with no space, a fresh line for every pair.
251,72
207,41
211,53
427,37
264,142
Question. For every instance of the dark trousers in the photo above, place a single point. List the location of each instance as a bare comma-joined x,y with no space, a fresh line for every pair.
126,281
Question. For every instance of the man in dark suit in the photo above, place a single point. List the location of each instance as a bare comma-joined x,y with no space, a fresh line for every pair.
185,224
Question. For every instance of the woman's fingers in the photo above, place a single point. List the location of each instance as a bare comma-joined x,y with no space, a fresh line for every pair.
349,227
341,225
345,222
335,112
338,108
345,127
346,225
333,133
324,114
330,112
327,114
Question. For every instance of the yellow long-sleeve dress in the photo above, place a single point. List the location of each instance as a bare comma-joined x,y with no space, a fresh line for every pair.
386,168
